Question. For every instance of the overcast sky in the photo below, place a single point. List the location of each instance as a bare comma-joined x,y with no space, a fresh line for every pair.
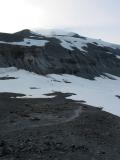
92,18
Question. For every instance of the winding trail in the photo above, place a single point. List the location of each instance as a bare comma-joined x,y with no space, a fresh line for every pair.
75,115
44,120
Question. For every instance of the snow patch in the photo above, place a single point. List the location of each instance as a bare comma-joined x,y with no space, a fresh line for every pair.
28,42
100,92
51,32
118,56
70,42
7,70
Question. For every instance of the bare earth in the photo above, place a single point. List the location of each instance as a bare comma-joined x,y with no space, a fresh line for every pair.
56,129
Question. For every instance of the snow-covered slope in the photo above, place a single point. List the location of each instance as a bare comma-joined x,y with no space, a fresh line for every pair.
100,92
68,40
71,40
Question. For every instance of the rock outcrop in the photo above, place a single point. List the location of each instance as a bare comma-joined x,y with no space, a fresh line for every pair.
22,50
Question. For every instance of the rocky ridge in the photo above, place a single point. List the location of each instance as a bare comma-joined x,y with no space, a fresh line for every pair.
71,54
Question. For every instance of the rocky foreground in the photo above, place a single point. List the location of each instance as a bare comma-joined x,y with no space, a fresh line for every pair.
56,129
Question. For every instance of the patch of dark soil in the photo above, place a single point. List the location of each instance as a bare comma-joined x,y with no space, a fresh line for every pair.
118,96
34,88
56,129
9,95
7,78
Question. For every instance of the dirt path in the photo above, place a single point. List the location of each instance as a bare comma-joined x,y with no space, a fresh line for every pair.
41,120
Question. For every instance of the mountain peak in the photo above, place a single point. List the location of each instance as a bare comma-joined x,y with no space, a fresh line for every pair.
54,32
25,32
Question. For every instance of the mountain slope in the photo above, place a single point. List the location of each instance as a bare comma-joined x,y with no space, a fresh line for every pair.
45,116
100,92
68,53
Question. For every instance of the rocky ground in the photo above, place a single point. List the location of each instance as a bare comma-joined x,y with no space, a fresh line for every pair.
56,129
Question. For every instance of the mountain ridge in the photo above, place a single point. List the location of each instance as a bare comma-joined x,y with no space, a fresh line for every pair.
71,54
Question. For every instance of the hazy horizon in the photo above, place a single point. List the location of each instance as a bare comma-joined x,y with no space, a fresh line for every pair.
95,18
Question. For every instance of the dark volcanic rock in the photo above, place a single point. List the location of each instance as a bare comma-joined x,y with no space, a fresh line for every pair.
92,135
53,58
6,78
